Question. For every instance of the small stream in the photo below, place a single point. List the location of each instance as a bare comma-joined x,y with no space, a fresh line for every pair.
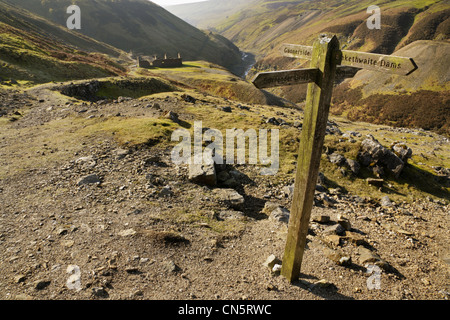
248,61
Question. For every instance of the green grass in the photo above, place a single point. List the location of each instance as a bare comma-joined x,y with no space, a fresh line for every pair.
205,218
134,88
142,27
67,136
131,132
208,78
30,57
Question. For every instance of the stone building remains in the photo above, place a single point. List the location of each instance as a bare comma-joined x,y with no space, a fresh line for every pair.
160,63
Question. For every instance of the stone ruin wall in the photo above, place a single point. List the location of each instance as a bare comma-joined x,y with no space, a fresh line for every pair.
160,63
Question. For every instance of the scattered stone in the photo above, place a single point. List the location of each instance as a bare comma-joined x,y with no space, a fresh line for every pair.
62,232
87,162
280,214
332,240
188,98
271,261
277,268
269,207
230,215
273,121
337,256
354,166
288,191
369,257
377,170
226,109
375,182
402,151
337,159
137,293
166,192
90,179
172,116
334,229
350,134
144,260
354,238
229,197
404,232
100,292
323,284
327,201
41,284
19,278
170,266
271,287
321,218
243,107
203,174
127,233
345,223
67,243
386,202
345,261
132,270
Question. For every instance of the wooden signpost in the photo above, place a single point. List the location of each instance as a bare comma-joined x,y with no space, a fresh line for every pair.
371,61
327,62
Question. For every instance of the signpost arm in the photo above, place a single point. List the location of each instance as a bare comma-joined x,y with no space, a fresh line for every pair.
324,58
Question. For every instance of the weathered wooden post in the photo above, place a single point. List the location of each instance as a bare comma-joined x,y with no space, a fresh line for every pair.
327,62
324,58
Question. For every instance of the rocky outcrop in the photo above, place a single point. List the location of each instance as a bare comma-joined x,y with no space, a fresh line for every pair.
203,174
374,155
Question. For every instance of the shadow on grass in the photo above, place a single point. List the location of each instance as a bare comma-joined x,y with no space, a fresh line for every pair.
185,65
425,181
184,124
411,177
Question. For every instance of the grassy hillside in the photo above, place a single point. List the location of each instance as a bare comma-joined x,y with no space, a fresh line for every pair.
418,29
421,99
142,27
200,77
204,15
35,50
263,25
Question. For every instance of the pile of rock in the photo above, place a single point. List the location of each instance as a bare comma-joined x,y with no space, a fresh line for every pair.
213,175
379,159
276,212
341,161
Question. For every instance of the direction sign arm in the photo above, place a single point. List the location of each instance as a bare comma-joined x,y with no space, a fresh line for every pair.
285,78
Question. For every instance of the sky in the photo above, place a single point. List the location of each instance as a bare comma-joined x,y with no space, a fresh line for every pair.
164,3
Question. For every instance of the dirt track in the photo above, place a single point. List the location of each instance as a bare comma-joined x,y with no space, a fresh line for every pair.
178,247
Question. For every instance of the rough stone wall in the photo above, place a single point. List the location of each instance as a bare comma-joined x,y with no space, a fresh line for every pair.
167,63
160,63
143,63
